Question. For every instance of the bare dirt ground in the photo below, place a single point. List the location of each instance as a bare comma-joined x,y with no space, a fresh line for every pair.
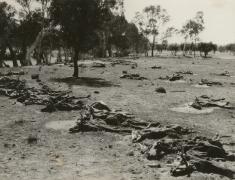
59,155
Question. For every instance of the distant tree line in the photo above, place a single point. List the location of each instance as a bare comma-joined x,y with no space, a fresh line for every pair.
227,48
188,49
95,28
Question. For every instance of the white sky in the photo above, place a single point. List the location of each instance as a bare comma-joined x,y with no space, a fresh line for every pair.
219,15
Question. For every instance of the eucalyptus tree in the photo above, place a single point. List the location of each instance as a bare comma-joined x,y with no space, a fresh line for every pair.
7,32
151,21
33,26
79,21
206,48
192,29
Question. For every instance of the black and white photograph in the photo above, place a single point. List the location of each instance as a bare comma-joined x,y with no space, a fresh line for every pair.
117,89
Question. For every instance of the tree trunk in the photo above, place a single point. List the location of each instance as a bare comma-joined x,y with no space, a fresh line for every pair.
153,45
103,45
33,46
39,57
184,49
2,53
66,59
194,51
75,63
22,58
195,48
109,47
13,55
51,51
59,57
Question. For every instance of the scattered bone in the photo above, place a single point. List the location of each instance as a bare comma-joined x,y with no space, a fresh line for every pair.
82,65
185,72
205,101
178,91
98,117
53,100
210,83
200,164
157,141
124,62
98,65
133,77
201,86
174,77
197,154
187,108
13,73
159,132
226,73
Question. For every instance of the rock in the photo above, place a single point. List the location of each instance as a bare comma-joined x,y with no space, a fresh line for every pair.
131,153
35,76
156,67
32,139
133,66
6,145
161,90
96,92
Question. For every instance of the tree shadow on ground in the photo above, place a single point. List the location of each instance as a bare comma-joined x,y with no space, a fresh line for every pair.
84,81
